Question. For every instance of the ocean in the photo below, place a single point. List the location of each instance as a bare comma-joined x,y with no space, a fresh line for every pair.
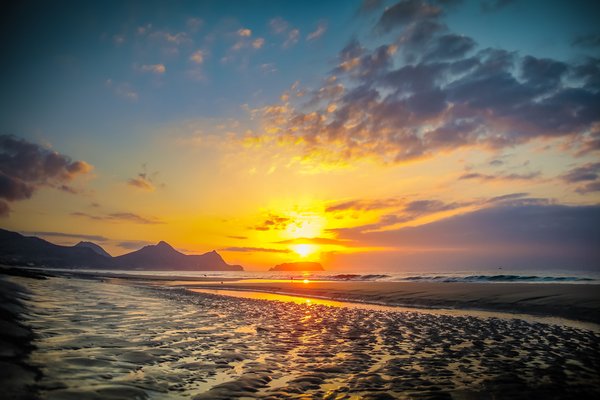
475,276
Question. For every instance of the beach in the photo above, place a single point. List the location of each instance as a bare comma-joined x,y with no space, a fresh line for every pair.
572,301
96,338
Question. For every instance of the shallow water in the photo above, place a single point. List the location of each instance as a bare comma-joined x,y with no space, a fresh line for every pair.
295,298
104,340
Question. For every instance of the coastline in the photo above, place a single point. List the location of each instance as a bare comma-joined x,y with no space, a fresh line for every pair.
570,301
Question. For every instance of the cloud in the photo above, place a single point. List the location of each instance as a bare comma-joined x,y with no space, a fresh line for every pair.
273,222
500,177
120,217
255,250
567,236
317,33
244,32
124,90
258,43
26,167
194,24
365,205
133,244
4,209
488,6
118,40
588,173
145,181
401,212
141,182
292,38
317,240
591,40
404,12
589,188
369,6
508,197
237,237
281,27
93,238
157,69
278,25
430,90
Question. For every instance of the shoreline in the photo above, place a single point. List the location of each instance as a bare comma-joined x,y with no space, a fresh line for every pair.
571,302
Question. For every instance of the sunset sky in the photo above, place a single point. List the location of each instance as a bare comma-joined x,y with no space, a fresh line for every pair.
367,135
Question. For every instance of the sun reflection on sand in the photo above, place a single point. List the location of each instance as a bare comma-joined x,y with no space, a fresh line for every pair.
272,297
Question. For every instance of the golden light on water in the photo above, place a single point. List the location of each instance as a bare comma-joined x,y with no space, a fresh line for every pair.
306,281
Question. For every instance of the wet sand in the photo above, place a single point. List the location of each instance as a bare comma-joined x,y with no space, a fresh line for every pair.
571,301
117,339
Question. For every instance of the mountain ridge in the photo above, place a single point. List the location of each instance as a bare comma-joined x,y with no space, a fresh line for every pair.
17,249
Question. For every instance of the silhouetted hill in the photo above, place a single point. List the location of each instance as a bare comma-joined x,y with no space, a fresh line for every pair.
96,248
298,266
163,256
16,249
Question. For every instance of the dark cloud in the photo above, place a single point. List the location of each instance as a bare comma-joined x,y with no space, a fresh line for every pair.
406,11
543,73
591,40
120,217
588,173
589,188
255,250
14,188
450,47
538,231
94,238
26,166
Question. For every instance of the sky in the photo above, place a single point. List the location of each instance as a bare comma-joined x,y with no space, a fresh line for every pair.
366,135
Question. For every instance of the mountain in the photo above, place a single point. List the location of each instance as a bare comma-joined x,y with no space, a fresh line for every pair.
163,256
16,249
298,266
97,249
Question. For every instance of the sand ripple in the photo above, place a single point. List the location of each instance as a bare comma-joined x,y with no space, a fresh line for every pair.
102,340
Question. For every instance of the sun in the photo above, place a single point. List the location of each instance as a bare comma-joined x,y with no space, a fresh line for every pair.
304,250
